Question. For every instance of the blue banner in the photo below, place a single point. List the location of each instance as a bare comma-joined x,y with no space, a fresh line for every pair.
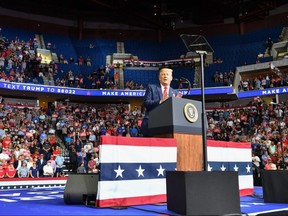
263,92
97,92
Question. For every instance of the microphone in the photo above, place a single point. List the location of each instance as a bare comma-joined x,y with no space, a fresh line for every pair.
189,84
182,79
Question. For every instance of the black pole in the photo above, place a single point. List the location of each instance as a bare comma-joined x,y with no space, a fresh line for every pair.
205,165
280,139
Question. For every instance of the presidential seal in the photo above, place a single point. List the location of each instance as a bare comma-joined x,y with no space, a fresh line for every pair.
191,112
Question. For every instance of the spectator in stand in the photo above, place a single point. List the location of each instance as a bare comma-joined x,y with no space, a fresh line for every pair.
18,163
91,164
80,60
61,58
46,150
48,45
134,131
92,137
56,151
269,44
81,157
40,164
53,164
94,169
33,148
120,130
23,171
108,83
30,162
272,149
88,61
256,164
267,81
2,171
81,168
5,155
270,165
265,158
59,165
116,78
72,166
101,72
34,171
2,60
78,145
48,170
6,141
88,147
286,158
71,60
11,171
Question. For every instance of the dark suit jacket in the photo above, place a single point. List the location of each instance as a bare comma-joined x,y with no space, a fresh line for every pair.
152,99
40,165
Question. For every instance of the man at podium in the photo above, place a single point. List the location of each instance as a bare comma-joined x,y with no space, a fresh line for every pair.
156,94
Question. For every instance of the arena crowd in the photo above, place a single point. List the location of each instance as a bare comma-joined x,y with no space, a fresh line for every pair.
35,141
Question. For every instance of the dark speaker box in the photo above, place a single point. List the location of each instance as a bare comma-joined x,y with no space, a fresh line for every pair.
79,186
274,185
274,213
203,193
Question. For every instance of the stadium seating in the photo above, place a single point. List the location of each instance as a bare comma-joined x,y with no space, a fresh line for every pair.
234,50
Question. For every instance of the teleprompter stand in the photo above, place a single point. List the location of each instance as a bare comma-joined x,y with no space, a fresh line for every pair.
192,190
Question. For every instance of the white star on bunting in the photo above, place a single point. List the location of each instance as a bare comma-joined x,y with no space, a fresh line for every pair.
223,168
160,171
248,168
140,171
235,168
119,172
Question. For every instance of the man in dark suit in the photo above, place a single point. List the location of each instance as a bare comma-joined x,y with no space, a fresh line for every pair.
156,94
40,164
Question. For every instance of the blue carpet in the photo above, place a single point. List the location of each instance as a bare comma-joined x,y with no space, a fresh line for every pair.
49,201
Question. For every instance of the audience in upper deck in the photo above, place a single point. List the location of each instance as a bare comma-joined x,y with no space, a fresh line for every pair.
20,63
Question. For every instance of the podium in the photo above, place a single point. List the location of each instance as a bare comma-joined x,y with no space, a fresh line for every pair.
190,190
181,119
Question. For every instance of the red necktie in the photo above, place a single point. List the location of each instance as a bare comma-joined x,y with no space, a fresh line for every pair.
165,90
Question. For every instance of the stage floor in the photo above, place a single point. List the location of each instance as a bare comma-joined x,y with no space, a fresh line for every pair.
49,201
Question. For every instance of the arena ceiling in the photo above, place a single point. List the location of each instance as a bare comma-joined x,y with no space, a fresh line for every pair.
150,14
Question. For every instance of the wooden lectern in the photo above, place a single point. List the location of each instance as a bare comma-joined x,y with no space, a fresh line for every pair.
181,119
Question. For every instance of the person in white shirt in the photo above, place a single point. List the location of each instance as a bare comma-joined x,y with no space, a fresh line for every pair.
256,164
48,170
88,147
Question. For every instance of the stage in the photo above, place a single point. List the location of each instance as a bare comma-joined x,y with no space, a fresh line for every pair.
48,200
